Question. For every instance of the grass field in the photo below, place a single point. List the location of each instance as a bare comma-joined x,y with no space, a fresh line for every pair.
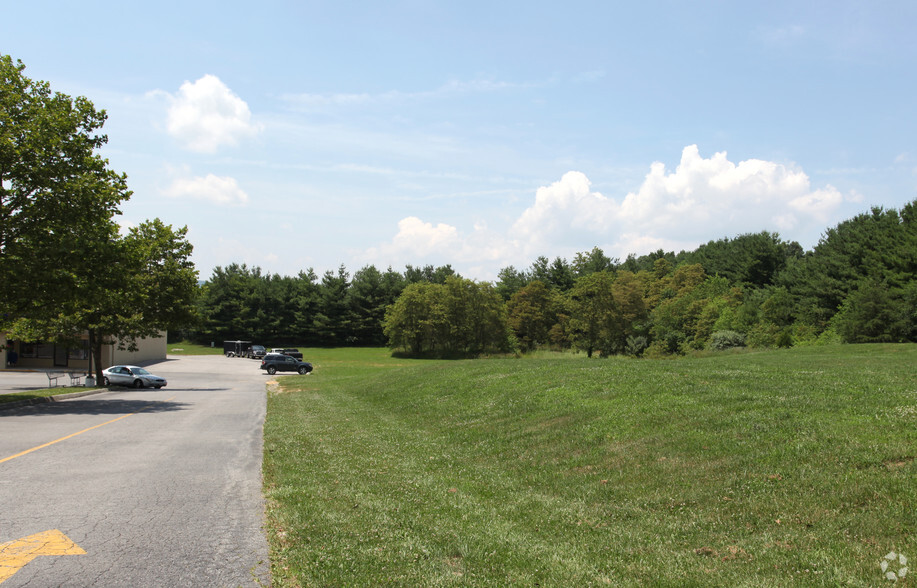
188,348
780,468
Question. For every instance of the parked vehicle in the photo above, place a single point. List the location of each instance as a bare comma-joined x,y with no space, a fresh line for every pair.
237,348
257,352
288,351
278,362
131,375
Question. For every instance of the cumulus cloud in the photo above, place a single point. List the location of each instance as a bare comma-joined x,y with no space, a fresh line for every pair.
565,206
218,190
414,237
418,242
706,194
206,115
701,199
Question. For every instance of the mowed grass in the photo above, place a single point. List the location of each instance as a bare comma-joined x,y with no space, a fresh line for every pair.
779,468
189,348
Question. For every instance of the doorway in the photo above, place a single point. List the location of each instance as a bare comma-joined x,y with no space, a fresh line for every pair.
61,353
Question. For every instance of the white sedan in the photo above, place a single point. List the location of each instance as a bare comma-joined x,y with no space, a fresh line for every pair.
131,375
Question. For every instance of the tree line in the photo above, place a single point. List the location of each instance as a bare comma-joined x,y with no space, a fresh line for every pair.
858,284
67,268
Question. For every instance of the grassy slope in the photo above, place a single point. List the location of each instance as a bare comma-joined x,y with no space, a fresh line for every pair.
774,468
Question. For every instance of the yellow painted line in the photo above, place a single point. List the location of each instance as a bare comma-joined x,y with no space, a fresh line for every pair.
16,554
21,453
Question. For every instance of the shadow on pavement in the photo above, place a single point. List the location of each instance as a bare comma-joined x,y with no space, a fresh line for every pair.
98,406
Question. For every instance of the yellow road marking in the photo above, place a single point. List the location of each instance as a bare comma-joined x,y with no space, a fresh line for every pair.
21,453
15,554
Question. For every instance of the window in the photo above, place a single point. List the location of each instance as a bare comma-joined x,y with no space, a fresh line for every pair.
27,350
37,350
81,351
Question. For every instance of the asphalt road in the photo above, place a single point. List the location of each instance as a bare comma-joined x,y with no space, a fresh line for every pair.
157,487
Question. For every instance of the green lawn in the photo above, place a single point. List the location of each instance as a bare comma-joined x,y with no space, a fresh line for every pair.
188,348
782,468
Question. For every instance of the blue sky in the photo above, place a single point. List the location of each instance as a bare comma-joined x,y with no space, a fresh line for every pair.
290,135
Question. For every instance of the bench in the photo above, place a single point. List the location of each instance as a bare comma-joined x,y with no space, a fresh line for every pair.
75,378
53,377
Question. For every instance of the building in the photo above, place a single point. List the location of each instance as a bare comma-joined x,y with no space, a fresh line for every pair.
56,356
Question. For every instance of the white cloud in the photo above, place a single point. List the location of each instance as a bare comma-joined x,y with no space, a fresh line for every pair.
218,190
702,199
125,226
206,115
704,196
415,238
564,206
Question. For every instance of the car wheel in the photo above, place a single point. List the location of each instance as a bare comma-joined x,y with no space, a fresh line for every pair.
138,384
157,387
303,370
272,370
106,382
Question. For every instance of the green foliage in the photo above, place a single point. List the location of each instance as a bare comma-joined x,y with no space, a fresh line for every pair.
334,322
636,345
880,246
596,320
57,196
532,313
871,315
592,262
726,340
409,323
509,281
752,260
557,274
459,317
785,339
370,293
66,270
428,274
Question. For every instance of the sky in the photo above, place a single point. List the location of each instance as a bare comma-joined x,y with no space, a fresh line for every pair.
313,134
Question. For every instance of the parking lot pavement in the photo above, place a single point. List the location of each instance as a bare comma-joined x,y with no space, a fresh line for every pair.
138,487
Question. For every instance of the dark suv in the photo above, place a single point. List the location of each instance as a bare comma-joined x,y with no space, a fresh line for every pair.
276,362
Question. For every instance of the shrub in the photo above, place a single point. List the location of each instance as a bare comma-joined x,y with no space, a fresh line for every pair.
726,340
636,345
785,339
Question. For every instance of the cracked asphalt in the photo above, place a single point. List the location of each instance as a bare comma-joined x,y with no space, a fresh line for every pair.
158,487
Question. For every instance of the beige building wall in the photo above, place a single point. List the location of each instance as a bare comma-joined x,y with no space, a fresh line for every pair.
150,349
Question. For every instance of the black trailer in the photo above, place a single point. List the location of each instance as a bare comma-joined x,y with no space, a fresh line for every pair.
237,348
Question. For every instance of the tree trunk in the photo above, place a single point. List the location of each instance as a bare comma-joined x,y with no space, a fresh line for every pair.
95,348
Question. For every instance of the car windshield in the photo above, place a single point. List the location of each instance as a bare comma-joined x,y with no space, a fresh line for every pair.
140,372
